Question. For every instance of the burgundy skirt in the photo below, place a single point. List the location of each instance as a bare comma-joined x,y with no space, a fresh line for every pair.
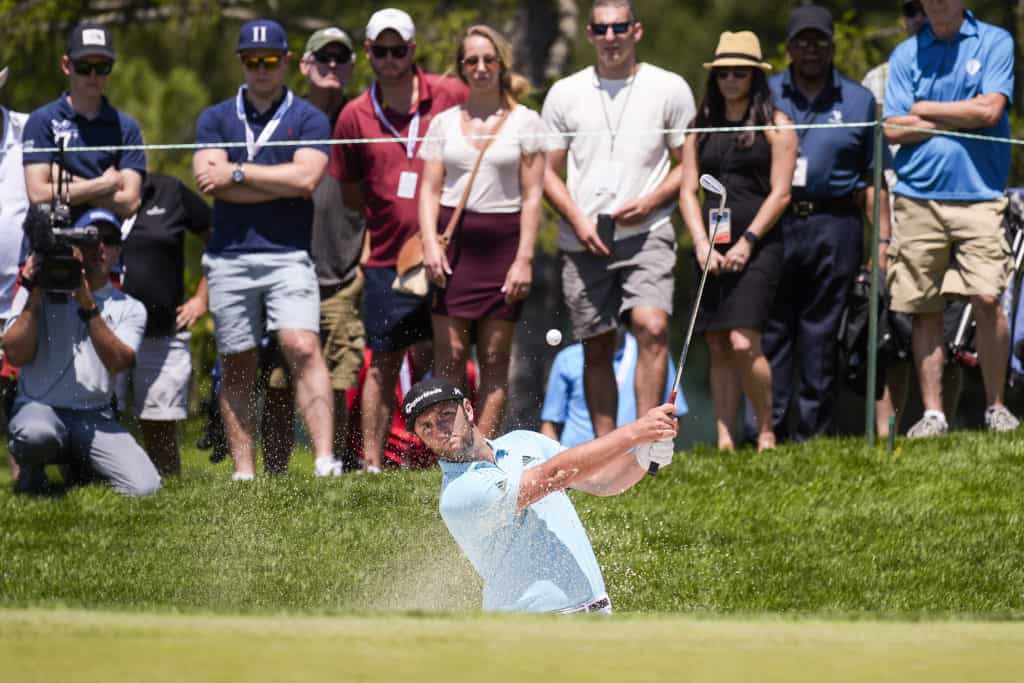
482,249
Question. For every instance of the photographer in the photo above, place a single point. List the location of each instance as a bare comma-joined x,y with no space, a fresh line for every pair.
68,347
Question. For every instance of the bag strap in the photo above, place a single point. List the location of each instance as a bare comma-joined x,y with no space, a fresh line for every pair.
457,214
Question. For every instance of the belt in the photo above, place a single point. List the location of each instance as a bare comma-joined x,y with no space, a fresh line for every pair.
806,207
327,291
600,604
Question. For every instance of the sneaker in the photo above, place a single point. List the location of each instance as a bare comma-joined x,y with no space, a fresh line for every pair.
327,466
929,425
999,419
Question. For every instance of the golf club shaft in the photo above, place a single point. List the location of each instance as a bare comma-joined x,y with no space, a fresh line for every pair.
652,469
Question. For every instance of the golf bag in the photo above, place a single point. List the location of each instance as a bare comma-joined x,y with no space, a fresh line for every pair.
893,336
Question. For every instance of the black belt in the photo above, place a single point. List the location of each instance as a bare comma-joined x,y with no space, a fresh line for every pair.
327,291
806,207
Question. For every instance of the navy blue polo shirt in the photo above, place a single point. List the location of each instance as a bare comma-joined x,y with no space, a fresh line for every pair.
58,120
838,159
978,60
280,225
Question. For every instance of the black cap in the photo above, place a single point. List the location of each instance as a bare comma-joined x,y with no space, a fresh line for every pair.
810,17
425,394
87,40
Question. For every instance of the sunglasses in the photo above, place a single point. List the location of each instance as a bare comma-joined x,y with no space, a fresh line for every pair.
472,61
396,51
342,56
618,28
269,62
98,68
912,10
110,240
737,72
807,43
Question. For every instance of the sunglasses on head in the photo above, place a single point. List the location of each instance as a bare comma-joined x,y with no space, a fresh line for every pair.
340,56
738,72
396,51
98,68
912,10
269,62
618,28
473,60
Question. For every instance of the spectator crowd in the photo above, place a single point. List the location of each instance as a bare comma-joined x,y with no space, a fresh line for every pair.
339,275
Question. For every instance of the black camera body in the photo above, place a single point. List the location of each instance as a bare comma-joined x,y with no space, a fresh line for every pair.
52,241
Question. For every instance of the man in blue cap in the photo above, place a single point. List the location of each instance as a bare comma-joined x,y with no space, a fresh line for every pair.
259,272
504,501
68,348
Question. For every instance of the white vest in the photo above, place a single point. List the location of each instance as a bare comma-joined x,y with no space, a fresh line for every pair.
13,204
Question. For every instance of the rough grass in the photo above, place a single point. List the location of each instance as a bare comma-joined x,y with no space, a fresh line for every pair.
826,529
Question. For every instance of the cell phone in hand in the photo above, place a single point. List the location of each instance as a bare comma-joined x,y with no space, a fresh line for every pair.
606,230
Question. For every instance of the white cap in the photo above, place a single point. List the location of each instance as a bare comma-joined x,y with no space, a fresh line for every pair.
391,18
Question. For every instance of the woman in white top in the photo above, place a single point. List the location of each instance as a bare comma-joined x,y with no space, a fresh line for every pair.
485,274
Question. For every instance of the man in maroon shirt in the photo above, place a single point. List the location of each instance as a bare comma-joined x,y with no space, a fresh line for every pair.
383,179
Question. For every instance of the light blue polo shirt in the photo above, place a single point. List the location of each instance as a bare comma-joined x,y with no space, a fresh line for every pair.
978,60
535,560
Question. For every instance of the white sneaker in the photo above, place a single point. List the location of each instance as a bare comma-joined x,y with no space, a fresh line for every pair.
327,466
929,425
998,418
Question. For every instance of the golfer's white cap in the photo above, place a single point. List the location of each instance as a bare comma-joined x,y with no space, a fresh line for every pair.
391,18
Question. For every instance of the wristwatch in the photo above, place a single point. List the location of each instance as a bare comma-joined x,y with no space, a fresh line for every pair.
238,175
87,315
750,236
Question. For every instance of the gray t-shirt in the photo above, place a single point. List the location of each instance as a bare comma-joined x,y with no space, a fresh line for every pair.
337,235
66,371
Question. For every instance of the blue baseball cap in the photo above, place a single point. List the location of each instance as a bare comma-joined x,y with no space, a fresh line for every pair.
262,34
101,219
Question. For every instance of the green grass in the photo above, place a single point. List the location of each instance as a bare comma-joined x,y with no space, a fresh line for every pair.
828,529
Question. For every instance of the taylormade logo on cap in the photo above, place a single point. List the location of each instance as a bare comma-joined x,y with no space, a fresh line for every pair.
94,36
420,399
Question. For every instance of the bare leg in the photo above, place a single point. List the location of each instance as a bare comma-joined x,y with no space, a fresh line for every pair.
599,382
313,393
756,377
451,349
377,403
278,429
340,423
494,348
650,327
993,338
160,438
236,408
725,389
894,396
929,357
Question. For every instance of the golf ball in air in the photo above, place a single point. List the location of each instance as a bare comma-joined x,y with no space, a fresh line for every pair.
553,337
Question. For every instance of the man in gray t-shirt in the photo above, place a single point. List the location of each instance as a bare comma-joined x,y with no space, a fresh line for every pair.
68,348
337,245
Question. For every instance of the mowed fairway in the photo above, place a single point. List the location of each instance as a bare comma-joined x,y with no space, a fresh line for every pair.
105,647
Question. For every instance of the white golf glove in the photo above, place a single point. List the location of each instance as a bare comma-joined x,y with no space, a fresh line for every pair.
660,452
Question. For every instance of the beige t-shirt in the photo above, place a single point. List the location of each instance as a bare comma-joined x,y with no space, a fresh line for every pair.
605,170
496,188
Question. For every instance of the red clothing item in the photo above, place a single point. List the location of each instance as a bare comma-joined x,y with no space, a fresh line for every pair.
379,165
401,447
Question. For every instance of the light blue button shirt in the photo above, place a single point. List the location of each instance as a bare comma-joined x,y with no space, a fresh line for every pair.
535,560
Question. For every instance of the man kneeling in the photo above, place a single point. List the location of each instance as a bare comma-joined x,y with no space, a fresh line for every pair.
68,348
504,500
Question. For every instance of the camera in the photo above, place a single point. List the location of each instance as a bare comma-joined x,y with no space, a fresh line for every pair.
52,240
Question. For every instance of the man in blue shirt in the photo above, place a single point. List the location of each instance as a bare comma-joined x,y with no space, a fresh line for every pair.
956,74
257,264
822,229
82,118
504,501
565,417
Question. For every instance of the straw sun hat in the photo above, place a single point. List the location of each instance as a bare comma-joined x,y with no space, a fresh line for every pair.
738,49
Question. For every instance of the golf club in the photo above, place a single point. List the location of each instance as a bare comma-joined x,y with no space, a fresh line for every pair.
710,184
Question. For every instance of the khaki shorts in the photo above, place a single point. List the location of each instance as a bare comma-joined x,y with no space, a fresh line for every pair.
941,249
342,337
600,291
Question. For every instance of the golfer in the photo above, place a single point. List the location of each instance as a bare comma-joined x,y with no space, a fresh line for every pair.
504,500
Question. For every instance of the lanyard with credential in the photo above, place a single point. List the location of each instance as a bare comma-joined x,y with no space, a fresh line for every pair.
253,145
414,125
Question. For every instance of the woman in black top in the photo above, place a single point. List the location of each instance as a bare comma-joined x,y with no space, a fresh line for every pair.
756,168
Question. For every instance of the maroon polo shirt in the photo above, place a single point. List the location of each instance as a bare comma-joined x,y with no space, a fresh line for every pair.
389,220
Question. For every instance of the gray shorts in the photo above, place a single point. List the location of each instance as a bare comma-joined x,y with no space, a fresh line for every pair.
600,291
159,381
255,293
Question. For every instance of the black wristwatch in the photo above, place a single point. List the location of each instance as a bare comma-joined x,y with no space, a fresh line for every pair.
750,236
238,175
87,315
